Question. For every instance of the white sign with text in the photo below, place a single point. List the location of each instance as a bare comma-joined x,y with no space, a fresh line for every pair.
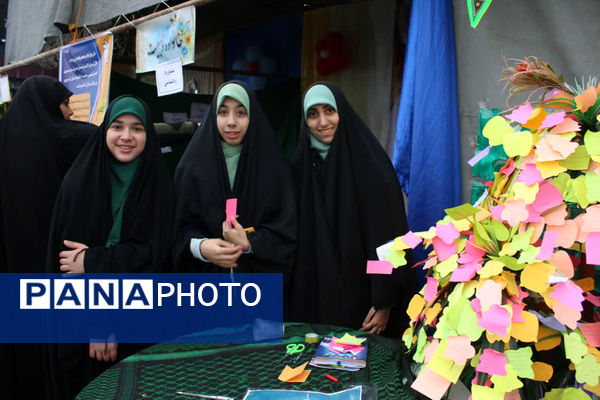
169,77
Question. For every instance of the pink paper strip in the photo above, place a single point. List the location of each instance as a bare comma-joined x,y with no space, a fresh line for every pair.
379,267
592,248
230,210
547,247
411,239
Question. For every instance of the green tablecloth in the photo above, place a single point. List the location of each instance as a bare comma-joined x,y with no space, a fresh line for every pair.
157,372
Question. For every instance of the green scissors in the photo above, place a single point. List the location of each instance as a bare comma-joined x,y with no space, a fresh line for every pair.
292,349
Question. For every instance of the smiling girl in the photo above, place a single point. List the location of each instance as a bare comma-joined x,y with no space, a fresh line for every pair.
113,213
350,203
234,154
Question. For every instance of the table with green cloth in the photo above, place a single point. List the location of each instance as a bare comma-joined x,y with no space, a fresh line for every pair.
158,371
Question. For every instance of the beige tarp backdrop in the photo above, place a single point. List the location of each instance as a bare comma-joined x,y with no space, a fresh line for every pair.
368,29
564,33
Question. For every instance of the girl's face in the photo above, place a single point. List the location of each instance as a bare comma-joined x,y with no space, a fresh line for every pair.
232,121
323,120
126,138
65,109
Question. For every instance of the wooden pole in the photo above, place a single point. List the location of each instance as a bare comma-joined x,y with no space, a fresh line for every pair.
116,29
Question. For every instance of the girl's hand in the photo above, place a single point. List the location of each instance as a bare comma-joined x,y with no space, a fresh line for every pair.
220,252
236,234
71,261
376,320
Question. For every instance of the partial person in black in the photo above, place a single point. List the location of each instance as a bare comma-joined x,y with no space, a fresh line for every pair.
234,154
113,213
350,203
38,144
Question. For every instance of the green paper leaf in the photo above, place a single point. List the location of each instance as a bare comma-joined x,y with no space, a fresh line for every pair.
592,185
578,160
461,212
499,230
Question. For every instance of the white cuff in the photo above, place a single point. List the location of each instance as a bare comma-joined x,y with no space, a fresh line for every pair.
195,249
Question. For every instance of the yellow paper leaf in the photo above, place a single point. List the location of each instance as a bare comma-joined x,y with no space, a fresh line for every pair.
517,143
524,192
549,168
491,268
415,306
526,331
534,276
547,339
495,130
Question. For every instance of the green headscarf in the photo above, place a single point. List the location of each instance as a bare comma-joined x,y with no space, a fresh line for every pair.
318,94
232,153
121,174
236,92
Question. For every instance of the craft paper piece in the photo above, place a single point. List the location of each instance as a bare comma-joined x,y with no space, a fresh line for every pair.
569,294
443,366
508,168
550,322
568,125
415,307
592,142
517,143
447,266
508,382
379,267
550,168
524,192
534,276
539,114
230,210
521,114
432,313
547,339
566,394
565,314
575,349
530,175
547,246
431,384
542,371
459,349
526,331
595,300
588,370
462,316
592,184
496,320
489,293
579,160
591,219
481,198
592,248
397,258
479,156
298,374
411,239
515,211
520,361
557,215
382,250
443,250
491,268
447,232
496,129
461,212
350,339
492,362
465,272
430,262
399,244
430,348
586,99
553,119
591,333
430,290
567,233
479,392
517,308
